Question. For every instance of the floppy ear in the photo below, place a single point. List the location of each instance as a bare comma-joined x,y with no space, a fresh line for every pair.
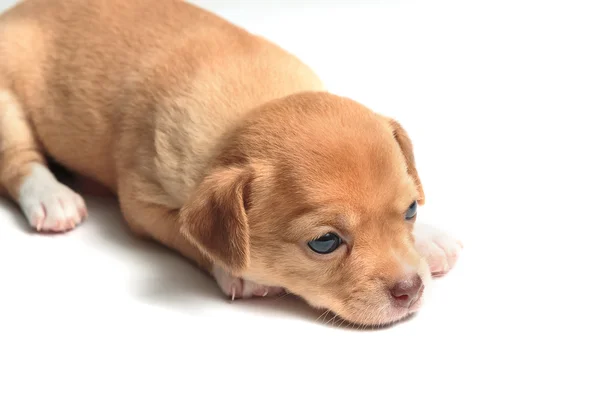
215,219
407,149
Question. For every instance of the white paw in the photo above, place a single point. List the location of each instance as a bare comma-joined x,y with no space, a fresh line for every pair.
438,248
49,205
237,288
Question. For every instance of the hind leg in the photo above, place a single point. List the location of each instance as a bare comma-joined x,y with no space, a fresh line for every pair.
47,204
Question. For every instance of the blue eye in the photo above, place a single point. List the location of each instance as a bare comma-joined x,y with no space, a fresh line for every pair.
411,212
325,244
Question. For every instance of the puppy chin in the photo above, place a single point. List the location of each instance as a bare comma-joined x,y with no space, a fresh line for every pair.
390,312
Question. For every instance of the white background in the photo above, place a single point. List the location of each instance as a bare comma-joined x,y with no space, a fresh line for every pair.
502,101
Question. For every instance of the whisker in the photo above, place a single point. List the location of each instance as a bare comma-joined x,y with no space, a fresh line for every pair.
281,296
322,315
332,319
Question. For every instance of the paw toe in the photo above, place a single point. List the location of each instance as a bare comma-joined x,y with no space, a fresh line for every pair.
49,205
64,212
437,260
36,218
237,288
440,249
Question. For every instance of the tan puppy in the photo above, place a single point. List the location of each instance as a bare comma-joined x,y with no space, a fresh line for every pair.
218,144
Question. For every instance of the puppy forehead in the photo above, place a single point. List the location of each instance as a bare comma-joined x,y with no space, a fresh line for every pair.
343,187
361,175
348,204
327,151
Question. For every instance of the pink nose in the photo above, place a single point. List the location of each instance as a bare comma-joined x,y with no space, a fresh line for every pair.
408,291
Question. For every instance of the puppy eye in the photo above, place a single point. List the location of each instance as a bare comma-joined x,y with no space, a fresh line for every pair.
411,212
325,244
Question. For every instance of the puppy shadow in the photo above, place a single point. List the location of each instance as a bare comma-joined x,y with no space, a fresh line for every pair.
163,278
167,279
289,304
16,216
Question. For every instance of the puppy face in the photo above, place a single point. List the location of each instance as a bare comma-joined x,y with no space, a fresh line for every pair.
317,194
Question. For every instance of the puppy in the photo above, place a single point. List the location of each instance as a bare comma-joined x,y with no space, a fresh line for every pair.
218,144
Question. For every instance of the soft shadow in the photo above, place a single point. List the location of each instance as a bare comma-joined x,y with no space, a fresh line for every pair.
161,276
166,279
291,304
16,215
165,276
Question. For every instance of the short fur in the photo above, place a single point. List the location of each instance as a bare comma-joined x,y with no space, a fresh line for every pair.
218,144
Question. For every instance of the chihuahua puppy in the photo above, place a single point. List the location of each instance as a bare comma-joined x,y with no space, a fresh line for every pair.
220,145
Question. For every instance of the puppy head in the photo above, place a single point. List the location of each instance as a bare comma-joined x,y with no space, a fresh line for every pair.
317,194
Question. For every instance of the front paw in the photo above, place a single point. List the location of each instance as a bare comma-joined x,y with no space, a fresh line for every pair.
438,248
238,288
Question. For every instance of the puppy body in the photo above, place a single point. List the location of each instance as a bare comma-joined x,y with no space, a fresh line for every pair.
218,144
135,95
110,85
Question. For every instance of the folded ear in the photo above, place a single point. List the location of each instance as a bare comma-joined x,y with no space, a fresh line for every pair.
215,219
407,149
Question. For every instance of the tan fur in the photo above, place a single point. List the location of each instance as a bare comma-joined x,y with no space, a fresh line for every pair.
218,143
